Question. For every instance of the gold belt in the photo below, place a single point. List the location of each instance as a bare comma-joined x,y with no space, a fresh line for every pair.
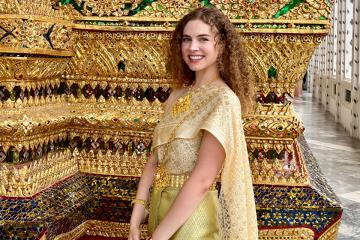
163,179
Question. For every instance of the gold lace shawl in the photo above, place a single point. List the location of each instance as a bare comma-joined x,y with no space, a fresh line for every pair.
217,110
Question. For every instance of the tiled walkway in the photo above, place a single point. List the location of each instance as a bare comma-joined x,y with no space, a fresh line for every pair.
339,158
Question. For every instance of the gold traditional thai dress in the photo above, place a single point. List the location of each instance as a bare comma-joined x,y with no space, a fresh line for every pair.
229,213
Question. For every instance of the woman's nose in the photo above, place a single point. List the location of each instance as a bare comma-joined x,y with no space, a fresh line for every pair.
194,45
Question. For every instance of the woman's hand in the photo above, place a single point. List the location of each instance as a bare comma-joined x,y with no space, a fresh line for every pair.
134,233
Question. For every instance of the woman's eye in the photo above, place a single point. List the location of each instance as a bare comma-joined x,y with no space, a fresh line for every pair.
186,39
204,39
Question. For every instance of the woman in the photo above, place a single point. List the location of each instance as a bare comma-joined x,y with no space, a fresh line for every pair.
199,139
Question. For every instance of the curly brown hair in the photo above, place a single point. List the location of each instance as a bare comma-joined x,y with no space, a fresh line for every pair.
231,63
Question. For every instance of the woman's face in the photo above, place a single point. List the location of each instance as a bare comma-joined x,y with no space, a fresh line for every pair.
199,49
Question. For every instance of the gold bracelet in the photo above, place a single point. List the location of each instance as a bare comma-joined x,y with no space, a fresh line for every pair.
139,201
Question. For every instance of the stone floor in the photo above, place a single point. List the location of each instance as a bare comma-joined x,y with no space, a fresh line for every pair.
338,155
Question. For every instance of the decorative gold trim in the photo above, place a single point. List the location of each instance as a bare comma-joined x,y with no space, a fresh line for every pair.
156,19
286,234
100,228
39,18
166,25
332,232
31,178
283,21
50,52
114,229
170,29
125,18
111,164
75,233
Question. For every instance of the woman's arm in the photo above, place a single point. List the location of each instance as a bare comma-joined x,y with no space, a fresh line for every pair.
145,183
147,178
208,165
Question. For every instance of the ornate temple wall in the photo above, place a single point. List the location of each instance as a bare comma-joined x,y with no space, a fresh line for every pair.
82,85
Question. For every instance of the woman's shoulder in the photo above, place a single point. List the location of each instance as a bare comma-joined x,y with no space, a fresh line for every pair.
224,94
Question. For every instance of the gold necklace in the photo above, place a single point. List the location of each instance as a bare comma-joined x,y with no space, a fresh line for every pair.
182,104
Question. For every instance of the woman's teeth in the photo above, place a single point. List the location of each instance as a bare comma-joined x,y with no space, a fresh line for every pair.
195,57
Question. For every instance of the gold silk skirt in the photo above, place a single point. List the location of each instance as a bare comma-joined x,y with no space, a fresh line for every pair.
201,225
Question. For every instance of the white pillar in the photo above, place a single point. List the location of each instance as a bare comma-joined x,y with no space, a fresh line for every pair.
340,59
355,81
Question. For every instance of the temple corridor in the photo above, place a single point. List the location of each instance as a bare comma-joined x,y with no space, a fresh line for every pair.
338,155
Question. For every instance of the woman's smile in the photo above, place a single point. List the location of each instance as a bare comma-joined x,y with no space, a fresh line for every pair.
195,58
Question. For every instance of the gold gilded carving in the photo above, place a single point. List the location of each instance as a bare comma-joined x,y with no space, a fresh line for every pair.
32,124
28,179
141,116
288,54
113,229
111,164
262,143
275,121
289,171
332,232
38,125
76,233
310,9
31,72
169,9
10,106
20,34
274,127
268,9
29,7
286,234
120,54
101,8
30,128
101,228
106,8
249,9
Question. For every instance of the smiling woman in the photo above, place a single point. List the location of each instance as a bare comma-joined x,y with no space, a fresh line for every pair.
200,140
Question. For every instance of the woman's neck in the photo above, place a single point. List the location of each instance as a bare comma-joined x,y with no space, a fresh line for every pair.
205,77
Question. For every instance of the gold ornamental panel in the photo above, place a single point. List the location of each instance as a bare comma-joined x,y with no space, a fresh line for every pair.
101,228
278,62
332,232
238,9
26,127
29,7
287,234
114,55
28,179
31,72
289,169
273,121
113,229
111,164
32,33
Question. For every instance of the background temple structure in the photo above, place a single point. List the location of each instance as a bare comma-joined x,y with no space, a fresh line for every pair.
82,85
